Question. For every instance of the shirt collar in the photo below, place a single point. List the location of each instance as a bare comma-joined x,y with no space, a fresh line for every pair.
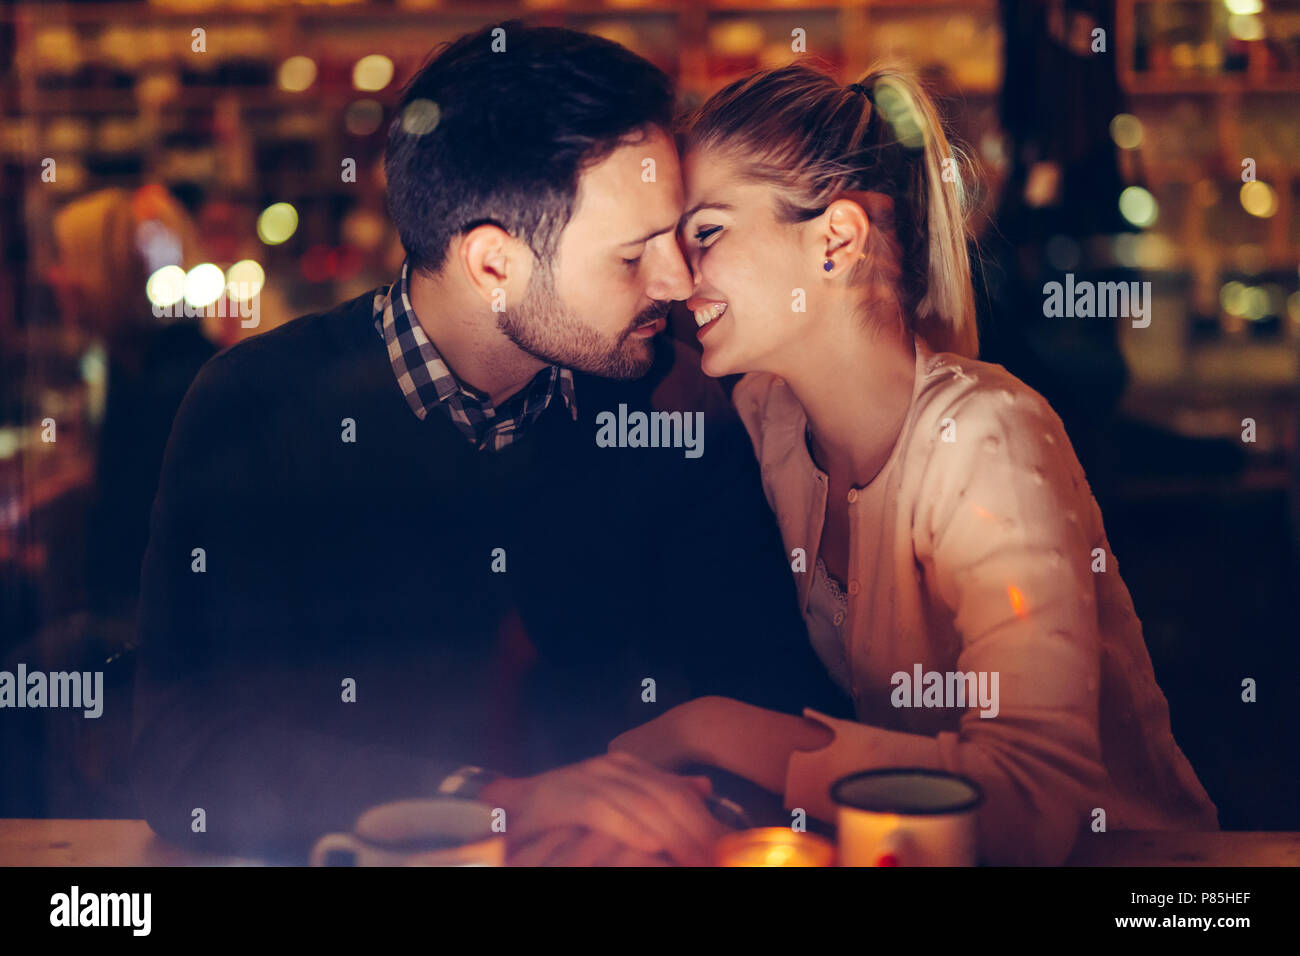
428,382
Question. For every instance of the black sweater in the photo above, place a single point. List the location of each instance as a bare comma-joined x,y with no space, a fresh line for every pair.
326,560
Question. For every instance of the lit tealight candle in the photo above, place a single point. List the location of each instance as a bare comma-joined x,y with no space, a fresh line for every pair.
774,846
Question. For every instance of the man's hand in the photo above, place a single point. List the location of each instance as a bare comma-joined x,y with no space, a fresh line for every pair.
618,796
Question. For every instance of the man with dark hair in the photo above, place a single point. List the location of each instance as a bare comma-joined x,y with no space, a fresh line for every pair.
389,548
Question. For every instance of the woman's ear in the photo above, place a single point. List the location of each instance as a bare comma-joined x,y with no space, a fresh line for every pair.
842,235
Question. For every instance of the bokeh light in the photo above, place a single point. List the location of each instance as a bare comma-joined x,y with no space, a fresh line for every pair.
244,280
277,223
1126,131
1256,303
297,73
1233,298
372,73
1155,251
1138,206
166,286
420,117
1125,250
1258,199
204,285
1246,27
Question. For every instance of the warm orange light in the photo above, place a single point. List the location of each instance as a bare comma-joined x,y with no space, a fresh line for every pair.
1017,600
774,846
983,513
779,855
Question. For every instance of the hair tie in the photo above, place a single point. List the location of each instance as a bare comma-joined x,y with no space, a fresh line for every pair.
865,91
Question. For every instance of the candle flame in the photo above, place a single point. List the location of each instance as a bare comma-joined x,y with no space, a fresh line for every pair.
779,855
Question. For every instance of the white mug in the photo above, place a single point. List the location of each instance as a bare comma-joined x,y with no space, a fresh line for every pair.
435,832
907,816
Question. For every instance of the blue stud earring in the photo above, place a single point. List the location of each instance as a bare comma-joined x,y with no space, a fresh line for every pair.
828,265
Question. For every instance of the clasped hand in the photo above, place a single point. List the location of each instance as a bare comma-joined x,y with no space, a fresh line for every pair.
613,810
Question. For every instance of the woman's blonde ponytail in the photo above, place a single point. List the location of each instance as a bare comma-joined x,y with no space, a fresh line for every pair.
945,309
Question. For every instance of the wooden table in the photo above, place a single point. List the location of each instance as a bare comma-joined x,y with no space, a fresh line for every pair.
132,843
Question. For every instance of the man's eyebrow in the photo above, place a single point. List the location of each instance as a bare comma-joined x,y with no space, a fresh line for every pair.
702,205
647,238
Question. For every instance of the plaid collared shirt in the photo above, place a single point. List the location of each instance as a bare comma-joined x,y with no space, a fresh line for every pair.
428,382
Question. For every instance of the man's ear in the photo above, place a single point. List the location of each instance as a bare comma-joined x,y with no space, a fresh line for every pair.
495,264
841,235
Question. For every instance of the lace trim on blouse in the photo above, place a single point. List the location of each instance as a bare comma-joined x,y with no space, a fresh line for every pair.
832,585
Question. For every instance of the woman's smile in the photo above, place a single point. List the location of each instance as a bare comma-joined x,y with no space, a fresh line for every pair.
707,315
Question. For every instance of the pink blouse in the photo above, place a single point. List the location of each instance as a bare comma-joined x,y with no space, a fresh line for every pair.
979,549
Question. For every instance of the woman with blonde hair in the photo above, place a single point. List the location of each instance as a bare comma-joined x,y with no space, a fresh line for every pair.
932,508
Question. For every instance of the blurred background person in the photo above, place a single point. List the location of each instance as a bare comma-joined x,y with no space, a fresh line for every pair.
108,245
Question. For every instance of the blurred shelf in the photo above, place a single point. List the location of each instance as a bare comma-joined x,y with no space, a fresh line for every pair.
1150,84
190,97
1256,69
691,53
100,13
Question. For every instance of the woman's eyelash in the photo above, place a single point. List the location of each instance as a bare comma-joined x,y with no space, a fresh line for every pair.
705,232
631,262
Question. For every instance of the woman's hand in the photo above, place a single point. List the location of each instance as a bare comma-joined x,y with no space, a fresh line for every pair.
676,737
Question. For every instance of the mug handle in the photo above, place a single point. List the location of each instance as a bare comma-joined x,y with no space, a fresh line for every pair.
330,843
893,848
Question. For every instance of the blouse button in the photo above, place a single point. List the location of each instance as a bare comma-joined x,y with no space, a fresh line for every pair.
839,618
853,587
853,495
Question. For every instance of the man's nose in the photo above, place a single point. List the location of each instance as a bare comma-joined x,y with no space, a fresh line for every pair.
672,280
692,259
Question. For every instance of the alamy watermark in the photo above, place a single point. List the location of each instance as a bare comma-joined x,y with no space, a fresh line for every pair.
83,689
950,689
74,908
239,300
1102,300
651,430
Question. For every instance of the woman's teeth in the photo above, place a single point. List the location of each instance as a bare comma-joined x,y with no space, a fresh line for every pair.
707,313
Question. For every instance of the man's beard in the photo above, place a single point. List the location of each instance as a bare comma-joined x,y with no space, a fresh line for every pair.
544,328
